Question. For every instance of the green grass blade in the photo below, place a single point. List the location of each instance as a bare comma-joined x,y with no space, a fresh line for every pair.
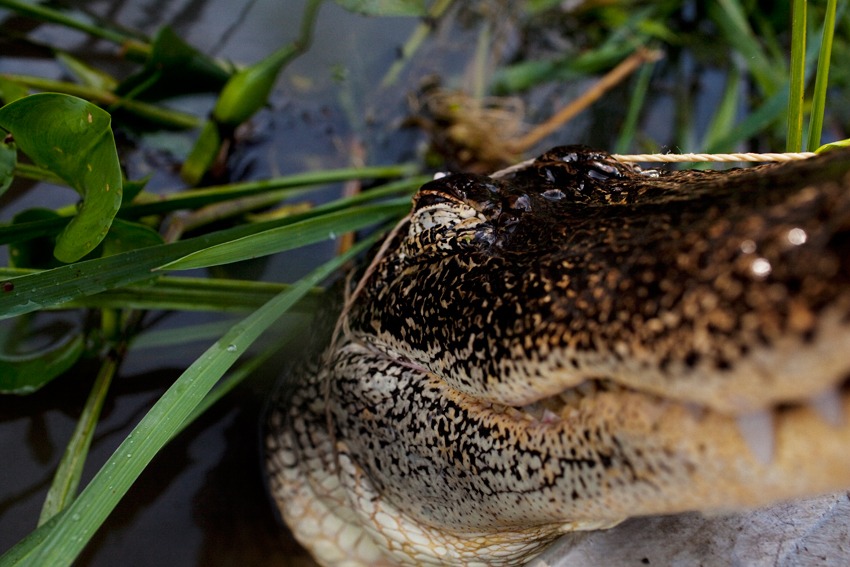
291,236
192,294
67,537
54,287
731,18
724,118
636,104
822,78
209,195
67,478
794,136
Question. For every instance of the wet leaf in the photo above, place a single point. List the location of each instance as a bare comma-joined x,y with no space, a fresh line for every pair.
8,160
385,7
248,90
26,373
73,139
287,237
86,74
173,68
203,154
124,236
34,252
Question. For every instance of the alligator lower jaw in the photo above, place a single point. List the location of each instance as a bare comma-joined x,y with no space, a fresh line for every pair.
757,429
691,458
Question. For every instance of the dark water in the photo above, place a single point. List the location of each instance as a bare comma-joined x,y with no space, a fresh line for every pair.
203,500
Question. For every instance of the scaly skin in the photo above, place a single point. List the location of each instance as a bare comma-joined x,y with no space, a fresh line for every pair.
577,343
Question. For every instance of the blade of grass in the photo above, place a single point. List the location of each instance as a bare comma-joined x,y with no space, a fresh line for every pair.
822,77
173,201
66,283
794,135
192,294
45,14
157,114
67,478
411,46
731,18
724,118
66,538
641,87
235,378
279,239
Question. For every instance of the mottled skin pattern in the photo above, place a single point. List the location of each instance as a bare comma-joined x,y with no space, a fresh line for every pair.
572,344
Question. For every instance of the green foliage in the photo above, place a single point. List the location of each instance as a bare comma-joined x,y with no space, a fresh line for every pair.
72,138
8,161
173,68
385,7
25,373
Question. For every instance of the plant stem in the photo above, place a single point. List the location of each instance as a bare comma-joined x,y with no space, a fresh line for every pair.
822,78
163,116
415,41
130,44
794,138
67,478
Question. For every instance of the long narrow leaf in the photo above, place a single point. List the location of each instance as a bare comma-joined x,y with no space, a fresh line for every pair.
822,78
794,136
67,537
290,236
67,478
67,283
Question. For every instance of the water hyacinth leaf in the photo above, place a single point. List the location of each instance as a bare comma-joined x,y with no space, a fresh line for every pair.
125,235
24,231
10,91
173,68
26,373
8,160
73,139
385,7
36,252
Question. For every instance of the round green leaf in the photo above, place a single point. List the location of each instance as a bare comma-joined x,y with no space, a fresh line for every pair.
72,138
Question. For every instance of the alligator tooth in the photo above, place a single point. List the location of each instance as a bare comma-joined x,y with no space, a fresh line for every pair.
829,407
549,416
757,431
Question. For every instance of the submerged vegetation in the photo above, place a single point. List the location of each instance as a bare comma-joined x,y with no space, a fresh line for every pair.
82,283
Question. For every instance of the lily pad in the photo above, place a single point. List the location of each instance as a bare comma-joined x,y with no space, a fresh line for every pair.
72,138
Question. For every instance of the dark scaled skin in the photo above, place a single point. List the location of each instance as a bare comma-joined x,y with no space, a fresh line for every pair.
574,343
628,273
